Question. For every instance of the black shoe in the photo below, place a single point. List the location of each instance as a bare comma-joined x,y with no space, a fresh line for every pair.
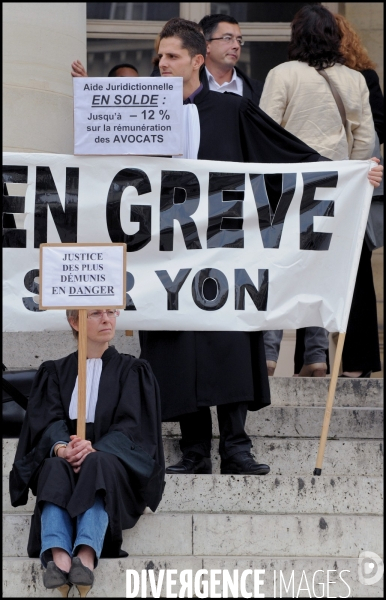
81,576
190,464
56,579
243,463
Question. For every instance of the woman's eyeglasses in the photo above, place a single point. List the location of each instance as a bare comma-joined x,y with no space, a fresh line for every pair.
97,315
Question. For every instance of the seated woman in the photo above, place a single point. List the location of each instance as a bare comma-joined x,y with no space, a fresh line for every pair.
88,491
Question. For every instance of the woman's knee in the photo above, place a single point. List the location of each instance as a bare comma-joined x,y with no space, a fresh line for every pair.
56,474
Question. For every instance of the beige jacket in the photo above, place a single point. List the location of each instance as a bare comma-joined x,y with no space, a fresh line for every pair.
300,100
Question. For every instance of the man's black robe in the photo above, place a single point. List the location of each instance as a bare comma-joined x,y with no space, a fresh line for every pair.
197,369
128,469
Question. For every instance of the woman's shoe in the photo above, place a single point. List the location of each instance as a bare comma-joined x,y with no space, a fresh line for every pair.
81,576
271,366
314,370
55,578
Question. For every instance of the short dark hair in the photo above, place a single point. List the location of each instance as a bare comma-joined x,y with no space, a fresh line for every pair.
188,32
122,66
315,37
209,23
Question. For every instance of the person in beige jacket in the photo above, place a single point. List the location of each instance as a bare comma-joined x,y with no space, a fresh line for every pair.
298,97
300,100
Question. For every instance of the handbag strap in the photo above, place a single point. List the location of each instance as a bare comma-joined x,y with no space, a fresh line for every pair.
337,98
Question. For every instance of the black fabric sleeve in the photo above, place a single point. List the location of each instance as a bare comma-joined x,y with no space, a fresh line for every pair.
44,424
263,140
44,406
376,101
24,469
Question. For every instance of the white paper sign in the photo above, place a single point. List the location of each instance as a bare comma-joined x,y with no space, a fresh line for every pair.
82,276
128,115
274,269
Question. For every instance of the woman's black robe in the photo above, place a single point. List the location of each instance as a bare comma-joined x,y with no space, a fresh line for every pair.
128,469
210,368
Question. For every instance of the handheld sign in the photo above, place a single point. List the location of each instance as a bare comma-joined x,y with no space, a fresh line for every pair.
82,276
123,115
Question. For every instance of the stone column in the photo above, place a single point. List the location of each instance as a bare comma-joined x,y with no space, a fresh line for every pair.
40,40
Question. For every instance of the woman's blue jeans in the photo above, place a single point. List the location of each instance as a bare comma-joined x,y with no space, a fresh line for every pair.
58,529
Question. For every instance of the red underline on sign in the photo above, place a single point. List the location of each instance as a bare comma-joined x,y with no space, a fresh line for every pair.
88,295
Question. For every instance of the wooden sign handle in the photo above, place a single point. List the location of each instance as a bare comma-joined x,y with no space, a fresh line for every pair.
82,371
329,403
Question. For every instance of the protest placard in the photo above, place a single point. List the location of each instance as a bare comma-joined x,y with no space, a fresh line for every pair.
122,115
82,276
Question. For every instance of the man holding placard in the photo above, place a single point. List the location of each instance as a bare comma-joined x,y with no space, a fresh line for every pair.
196,370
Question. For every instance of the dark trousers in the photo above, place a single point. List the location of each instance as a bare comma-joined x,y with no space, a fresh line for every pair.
196,430
361,345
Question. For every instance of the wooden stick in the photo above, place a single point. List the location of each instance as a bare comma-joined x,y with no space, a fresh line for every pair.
82,371
329,403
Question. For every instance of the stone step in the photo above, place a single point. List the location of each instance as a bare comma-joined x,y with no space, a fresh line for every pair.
22,577
203,534
261,495
285,456
312,391
27,350
305,422
297,457
272,495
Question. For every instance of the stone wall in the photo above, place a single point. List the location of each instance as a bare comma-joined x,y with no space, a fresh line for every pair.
367,18
40,40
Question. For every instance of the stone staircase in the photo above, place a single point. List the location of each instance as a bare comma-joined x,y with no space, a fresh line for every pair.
303,531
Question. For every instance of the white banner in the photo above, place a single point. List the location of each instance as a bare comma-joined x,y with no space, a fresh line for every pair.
186,222
121,115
